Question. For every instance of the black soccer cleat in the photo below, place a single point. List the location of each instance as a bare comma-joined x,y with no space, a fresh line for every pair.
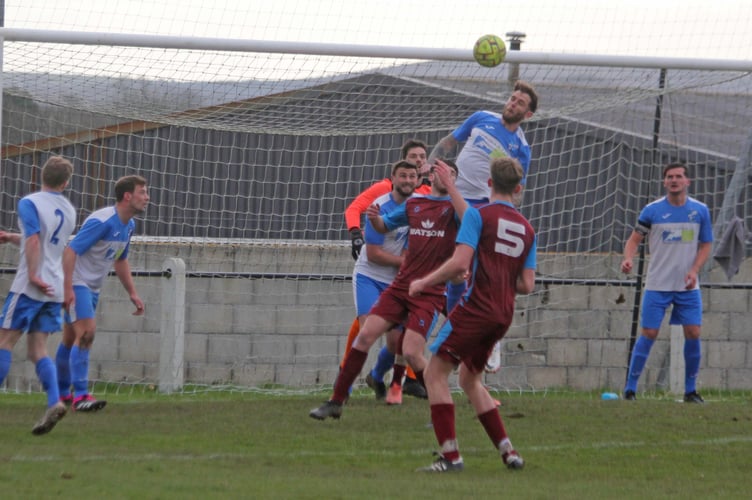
413,388
87,403
441,464
693,397
629,396
379,388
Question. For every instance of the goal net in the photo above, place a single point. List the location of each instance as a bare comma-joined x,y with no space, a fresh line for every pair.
252,156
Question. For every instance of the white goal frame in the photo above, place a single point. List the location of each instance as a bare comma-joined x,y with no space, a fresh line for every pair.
354,50
171,369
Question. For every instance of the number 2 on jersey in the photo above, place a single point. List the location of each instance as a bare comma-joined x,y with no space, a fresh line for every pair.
54,239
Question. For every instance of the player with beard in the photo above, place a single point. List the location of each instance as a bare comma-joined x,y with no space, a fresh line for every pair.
433,224
378,263
416,152
488,135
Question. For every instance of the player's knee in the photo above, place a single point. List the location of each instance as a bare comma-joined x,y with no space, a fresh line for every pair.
414,359
364,340
86,340
651,333
469,381
691,332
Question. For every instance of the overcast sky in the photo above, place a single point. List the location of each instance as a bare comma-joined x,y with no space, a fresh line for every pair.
668,28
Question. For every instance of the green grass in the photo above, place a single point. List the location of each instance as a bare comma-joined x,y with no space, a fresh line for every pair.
231,445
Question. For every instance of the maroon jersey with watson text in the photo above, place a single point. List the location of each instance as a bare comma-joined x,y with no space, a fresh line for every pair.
431,238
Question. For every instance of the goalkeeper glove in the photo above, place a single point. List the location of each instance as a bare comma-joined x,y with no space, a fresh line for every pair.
356,235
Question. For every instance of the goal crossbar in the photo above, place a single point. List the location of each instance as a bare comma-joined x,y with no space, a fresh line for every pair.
354,50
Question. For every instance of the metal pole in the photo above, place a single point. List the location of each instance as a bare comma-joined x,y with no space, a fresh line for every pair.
641,255
515,39
2,87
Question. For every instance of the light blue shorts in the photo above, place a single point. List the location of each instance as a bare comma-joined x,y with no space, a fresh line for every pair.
28,315
85,306
366,291
687,308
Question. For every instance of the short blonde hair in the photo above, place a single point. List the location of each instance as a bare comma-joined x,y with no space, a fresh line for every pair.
506,173
56,172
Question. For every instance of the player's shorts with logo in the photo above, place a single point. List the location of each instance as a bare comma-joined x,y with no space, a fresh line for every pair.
418,314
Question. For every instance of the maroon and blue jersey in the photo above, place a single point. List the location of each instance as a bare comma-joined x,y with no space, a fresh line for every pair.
504,244
433,229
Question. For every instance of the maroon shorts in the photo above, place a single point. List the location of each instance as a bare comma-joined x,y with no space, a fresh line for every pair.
470,339
418,314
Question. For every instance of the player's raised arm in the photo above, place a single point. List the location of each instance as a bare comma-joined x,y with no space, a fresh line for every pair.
445,174
443,148
374,217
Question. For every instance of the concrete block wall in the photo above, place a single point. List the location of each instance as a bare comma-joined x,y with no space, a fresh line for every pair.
249,330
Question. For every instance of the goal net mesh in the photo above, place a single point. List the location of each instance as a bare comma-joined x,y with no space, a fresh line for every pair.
251,159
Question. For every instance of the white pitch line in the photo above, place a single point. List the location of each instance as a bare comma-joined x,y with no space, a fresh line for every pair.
183,457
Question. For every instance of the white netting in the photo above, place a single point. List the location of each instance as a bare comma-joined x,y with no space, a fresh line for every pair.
251,159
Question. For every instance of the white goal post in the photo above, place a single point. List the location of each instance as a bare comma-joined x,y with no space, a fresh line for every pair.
252,149
354,50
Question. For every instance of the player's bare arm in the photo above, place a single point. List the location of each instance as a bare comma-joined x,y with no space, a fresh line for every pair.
630,250
525,282
33,259
444,172
703,252
377,255
443,148
456,264
373,213
6,237
69,263
123,272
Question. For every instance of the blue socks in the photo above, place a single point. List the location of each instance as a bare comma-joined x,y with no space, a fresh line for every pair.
692,356
383,364
62,361
5,358
46,372
48,376
79,370
640,355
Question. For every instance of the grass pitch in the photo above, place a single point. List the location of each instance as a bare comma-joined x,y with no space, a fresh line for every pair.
234,445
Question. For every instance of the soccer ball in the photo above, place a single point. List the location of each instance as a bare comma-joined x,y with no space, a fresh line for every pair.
489,50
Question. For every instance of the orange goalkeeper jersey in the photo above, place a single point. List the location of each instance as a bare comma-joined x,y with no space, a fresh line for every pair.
355,210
